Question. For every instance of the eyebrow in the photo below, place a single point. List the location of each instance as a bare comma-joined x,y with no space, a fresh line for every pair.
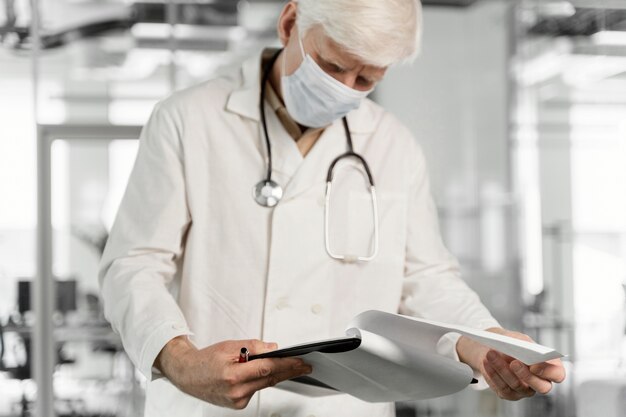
328,62
372,79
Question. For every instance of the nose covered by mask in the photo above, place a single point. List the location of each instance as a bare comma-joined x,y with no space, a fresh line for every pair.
315,99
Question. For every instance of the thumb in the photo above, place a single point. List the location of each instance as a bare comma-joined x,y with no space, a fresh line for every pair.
257,347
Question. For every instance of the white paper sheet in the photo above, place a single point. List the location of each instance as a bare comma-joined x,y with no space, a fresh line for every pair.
426,333
381,370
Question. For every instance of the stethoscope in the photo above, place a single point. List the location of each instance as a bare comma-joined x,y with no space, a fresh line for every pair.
268,193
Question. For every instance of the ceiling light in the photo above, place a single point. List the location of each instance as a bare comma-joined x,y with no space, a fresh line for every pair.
556,9
609,37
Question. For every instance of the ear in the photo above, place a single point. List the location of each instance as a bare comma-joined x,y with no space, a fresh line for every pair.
287,22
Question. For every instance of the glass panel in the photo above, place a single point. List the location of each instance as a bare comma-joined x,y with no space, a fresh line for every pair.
101,65
93,375
17,229
570,147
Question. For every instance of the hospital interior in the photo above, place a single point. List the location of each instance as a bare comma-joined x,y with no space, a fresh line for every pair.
518,105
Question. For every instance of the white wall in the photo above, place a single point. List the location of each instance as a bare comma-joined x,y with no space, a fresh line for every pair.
455,99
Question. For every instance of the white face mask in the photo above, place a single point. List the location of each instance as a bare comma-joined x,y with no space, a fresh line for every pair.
315,99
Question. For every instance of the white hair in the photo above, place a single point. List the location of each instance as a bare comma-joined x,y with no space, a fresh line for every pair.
380,32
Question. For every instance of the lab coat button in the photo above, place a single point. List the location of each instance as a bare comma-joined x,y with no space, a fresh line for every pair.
316,309
282,303
178,327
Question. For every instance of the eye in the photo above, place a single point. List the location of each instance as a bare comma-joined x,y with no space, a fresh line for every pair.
333,68
336,68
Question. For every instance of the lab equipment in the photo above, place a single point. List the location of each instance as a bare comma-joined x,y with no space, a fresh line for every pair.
268,193
65,296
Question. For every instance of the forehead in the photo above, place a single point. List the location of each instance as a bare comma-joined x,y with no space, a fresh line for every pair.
330,50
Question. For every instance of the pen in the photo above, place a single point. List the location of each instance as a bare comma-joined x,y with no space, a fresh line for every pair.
243,355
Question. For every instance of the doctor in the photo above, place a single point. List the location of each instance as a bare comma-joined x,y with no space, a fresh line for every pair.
228,235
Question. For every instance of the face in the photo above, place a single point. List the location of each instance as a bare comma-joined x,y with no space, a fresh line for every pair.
331,57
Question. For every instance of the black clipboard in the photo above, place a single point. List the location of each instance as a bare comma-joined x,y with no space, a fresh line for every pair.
338,345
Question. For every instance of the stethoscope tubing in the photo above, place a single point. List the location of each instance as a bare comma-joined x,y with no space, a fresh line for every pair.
329,177
268,146
348,154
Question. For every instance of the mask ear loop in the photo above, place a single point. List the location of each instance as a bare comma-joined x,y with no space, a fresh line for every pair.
284,72
301,45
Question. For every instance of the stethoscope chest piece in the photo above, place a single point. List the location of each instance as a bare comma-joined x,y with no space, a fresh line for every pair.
267,193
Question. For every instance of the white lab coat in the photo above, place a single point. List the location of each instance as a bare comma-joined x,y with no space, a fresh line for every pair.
192,253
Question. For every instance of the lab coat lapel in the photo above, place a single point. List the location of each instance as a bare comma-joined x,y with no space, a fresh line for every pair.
313,169
244,101
286,158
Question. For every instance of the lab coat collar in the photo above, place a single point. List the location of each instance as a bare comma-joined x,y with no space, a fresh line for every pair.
244,100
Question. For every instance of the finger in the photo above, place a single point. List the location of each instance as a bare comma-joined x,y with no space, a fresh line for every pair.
273,379
261,368
522,336
497,383
256,347
551,370
240,394
533,381
489,374
506,374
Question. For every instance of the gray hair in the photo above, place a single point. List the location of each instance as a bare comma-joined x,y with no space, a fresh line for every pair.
380,32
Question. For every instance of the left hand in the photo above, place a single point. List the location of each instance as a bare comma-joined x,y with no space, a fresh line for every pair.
508,377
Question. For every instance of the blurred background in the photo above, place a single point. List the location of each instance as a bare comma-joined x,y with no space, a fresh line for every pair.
520,106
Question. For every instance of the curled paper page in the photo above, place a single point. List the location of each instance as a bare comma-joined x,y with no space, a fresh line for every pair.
382,370
426,333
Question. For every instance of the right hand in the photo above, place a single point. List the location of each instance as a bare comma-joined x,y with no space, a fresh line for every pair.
509,378
213,374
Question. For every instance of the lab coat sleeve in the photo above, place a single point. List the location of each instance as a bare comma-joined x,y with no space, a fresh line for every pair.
145,245
433,288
